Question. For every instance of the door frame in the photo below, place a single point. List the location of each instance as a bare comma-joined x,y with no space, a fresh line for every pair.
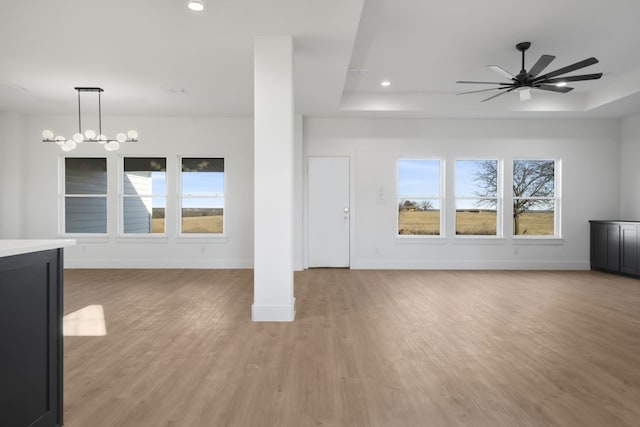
305,200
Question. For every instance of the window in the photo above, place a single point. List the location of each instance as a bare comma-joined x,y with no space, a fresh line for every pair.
202,195
476,197
85,195
419,197
144,196
534,197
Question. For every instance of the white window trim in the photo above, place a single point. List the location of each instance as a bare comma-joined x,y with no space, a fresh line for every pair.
200,237
62,195
440,198
499,202
139,237
557,206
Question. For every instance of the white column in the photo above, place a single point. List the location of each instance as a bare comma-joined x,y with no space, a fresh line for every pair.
273,298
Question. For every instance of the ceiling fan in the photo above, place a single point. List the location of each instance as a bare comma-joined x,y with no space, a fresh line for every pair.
527,80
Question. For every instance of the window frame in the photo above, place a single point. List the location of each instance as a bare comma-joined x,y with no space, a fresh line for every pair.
499,199
180,196
62,197
440,198
557,200
122,196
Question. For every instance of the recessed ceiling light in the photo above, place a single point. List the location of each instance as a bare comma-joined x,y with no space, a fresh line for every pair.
385,83
561,84
195,5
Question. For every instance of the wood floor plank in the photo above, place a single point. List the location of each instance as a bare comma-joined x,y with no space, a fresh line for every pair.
368,348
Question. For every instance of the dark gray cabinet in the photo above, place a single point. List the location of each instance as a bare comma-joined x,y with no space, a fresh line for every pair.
614,246
31,339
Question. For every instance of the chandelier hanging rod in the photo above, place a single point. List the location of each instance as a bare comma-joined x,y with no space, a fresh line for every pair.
90,89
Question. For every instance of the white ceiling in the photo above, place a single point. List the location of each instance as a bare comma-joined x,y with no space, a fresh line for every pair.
154,57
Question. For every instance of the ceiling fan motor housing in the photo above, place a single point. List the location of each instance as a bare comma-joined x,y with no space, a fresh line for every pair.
523,78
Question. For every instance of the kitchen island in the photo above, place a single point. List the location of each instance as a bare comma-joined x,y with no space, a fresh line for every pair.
31,310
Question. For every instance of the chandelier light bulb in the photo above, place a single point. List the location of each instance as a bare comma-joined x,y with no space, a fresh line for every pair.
112,146
47,134
77,137
132,134
121,137
60,140
102,139
90,134
68,145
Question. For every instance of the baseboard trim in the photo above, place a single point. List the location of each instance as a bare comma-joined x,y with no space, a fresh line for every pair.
370,264
274,313
72,263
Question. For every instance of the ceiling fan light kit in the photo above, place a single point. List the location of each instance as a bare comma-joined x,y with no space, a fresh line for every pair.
89,135
525,80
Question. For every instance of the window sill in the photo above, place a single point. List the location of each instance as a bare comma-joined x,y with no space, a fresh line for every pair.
476,240
201,238
537,240
85,238
142,238
420,240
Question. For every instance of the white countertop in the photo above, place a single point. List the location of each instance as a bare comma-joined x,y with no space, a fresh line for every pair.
25,246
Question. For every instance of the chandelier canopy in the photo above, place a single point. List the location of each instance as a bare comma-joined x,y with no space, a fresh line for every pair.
90,135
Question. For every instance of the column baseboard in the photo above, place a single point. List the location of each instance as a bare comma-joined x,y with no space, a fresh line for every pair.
274,313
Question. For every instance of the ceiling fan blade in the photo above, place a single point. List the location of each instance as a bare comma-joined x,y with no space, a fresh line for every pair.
483,83
553,88
542,63
498,69
575,78
482,90
567,69
498,94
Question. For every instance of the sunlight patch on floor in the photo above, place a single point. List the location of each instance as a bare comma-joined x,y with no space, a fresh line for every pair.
86,322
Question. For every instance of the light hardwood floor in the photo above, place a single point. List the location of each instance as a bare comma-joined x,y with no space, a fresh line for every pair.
368,348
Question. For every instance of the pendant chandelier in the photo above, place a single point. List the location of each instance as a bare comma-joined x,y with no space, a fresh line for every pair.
90,135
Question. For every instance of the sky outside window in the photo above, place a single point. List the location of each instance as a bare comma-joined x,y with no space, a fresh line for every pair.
469,185
418,178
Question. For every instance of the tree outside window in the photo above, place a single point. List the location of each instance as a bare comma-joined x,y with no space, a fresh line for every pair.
476,184
534,195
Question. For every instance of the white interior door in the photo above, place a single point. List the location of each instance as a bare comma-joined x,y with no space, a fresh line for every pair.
329,212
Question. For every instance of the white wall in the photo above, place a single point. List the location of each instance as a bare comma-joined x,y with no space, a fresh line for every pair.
231,138
595,164
630,169
13,127
590,154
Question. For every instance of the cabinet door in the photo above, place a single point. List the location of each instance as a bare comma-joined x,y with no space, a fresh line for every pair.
628,249
605,246
30,339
